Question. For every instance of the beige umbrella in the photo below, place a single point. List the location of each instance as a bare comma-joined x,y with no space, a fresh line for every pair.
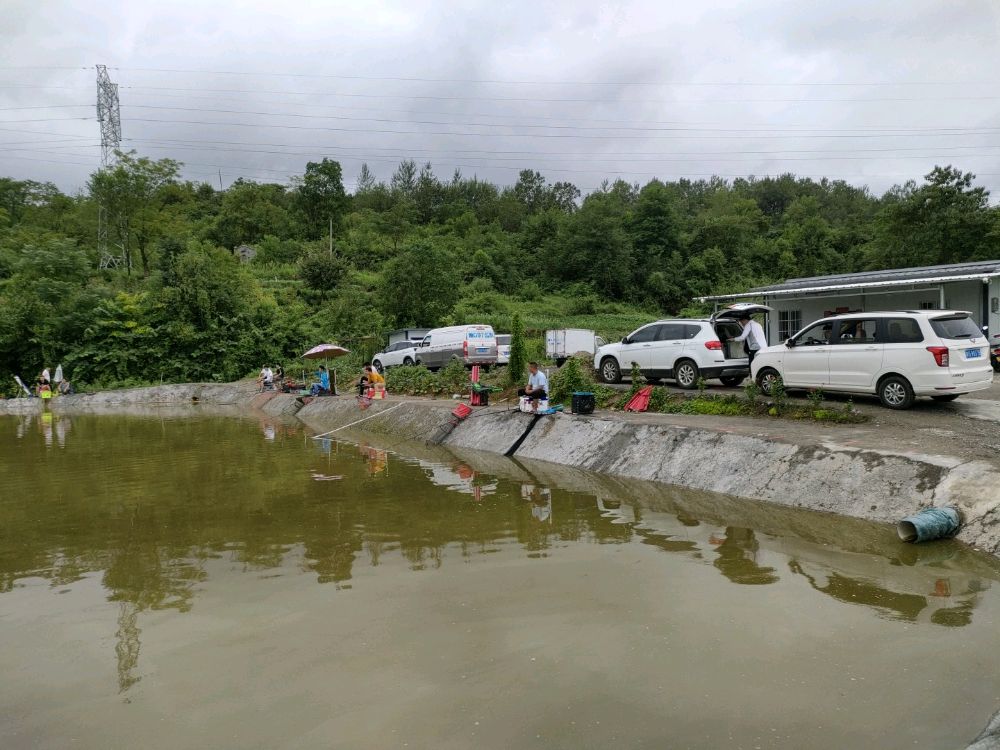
326,352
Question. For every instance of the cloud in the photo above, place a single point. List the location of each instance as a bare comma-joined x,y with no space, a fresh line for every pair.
871,93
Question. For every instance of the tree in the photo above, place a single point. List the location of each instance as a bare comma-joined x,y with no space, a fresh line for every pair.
321,270
947,220
518,361
320,197
249,212
131,193
419,285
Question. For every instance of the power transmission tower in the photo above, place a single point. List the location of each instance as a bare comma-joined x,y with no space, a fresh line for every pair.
109,116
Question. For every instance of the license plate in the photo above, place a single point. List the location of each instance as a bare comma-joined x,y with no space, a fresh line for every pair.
973,353
482,350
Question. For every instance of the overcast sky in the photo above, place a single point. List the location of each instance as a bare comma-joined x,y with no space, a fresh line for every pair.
873,92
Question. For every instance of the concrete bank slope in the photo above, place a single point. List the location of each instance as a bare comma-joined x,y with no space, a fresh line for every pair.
744,458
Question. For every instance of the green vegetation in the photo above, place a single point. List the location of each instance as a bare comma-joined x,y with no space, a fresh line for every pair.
418,250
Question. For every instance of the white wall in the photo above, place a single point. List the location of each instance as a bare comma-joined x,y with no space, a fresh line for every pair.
959,295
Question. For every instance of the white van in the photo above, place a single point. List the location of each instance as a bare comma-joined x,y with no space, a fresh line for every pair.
472,344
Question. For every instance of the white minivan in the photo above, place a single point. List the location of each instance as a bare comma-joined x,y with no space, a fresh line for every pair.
897,356
472,344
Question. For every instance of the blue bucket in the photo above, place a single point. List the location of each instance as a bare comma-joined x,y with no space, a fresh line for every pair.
928,524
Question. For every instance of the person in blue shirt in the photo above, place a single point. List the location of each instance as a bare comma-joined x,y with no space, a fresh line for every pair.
323,386
538,384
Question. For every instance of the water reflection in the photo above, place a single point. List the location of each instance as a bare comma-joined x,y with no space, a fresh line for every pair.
147,503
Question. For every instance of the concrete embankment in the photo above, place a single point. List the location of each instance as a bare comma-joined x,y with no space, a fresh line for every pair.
792,465
741,460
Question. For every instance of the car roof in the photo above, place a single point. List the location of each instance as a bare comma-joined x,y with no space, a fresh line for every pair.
897,313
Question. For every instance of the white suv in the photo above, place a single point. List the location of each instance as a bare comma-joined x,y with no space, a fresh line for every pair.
399,353
682,349
897,356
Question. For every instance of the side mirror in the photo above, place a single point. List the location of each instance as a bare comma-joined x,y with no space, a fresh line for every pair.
789,343
625,340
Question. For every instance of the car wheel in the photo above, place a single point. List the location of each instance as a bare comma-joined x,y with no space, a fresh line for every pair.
610,371
731,380
895,392
945,397
408,362
686,374
766,379
378,367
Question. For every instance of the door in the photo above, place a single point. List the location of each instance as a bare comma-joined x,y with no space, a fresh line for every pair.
856,351
669,345
638,348
807,363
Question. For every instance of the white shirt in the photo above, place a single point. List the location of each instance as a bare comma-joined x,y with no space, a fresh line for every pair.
539,382
266,375
753,328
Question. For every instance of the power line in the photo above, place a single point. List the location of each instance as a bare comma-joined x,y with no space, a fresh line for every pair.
416,79
671,128
548,100
538,135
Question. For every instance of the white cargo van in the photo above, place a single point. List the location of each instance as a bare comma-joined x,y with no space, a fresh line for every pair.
562,344
472,344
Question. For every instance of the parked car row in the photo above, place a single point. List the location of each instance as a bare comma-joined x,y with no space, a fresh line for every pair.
897,356
471,344
479,344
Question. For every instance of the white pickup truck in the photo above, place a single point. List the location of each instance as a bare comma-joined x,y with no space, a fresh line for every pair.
563,343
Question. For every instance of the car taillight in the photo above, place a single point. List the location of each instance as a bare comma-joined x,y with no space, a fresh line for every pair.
940,355
465,348
713,345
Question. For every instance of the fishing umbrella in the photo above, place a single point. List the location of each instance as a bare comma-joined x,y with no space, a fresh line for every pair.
326,352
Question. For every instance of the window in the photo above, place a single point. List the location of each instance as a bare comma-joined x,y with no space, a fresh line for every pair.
816,335
644,335
901,331
789,321
857,331
677,331
956,328
928,306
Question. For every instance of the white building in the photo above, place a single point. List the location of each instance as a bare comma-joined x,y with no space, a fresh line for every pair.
797,302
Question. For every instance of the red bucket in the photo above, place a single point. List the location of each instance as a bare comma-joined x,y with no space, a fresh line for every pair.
462,411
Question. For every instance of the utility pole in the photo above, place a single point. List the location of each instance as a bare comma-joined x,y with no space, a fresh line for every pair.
331,236
109,117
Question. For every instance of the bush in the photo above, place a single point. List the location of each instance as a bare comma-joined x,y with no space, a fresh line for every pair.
571,377
321,271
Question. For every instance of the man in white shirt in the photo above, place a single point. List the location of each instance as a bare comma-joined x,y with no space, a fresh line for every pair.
538,384
753,337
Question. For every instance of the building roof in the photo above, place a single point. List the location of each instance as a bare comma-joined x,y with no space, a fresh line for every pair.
865,279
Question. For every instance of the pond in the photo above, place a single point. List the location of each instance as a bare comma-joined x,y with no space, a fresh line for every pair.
209,581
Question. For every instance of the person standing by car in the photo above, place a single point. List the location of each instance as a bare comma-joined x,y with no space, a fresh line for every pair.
753,337
538,384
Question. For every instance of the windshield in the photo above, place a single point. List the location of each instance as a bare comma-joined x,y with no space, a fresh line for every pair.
956,328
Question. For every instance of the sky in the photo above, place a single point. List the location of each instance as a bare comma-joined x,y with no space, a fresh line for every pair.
874,92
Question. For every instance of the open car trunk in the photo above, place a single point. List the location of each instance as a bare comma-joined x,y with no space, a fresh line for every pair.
726,325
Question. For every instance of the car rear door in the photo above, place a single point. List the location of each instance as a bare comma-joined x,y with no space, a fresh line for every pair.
665,349
968,348
856,351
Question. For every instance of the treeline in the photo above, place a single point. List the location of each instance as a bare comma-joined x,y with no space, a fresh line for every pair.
418,250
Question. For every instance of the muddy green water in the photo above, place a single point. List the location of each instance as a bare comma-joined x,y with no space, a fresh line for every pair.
215,582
